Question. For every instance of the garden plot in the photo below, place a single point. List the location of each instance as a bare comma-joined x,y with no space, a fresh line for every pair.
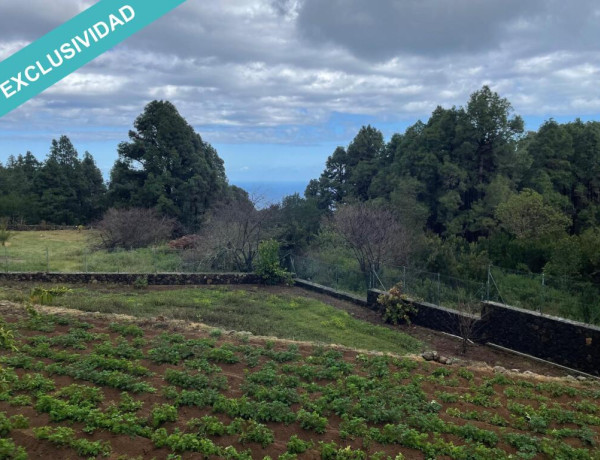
90,387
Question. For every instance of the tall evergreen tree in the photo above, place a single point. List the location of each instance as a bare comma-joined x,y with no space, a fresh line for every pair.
166,165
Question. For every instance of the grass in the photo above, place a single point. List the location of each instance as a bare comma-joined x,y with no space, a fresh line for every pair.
74,251
26,251
256,310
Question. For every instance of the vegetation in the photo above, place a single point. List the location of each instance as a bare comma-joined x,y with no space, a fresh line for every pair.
257,311
396,307
167,166
468,189
283,400
269,266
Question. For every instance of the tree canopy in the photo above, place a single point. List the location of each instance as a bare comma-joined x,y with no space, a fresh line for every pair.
167,166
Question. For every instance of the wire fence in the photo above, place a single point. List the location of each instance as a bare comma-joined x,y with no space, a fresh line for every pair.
558,296
145,260
563,297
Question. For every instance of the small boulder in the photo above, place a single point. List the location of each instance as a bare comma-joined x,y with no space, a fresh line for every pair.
500,370
429,355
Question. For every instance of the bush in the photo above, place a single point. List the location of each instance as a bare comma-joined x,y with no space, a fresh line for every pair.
133,228
268,266
398,309
185,242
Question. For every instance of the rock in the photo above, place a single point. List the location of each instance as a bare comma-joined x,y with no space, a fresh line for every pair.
570,378
581,378
528,373
429,355
516,371
499,370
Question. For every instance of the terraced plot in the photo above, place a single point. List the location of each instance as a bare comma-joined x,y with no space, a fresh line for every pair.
90,387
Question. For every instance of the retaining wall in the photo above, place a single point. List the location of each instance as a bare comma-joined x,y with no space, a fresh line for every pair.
561,341
165,279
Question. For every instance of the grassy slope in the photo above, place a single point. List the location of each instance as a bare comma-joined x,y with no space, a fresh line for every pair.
73,251
255,310
27,250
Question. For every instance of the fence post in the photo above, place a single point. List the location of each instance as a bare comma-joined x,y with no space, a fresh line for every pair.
543,291
47,260
438,289
6,258
487,290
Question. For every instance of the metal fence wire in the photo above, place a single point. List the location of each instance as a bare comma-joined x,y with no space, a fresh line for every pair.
558,296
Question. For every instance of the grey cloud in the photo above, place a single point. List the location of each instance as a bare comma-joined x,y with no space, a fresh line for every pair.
381,30
252,71
31,19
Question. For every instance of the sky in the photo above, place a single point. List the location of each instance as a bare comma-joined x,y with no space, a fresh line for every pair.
276,85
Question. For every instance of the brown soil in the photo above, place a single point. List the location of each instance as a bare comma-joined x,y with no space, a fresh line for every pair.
126,447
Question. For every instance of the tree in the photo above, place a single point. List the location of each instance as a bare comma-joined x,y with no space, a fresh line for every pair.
4,233
59,182
233,231
92,190
373,234
167,166
298,222
527,217
494,131
349,172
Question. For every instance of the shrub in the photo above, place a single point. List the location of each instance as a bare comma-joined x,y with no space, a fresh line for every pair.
268,266
398,309
7,337
133,228
141,282
45,297
185,242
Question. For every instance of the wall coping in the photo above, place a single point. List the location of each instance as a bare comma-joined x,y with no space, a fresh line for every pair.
538,314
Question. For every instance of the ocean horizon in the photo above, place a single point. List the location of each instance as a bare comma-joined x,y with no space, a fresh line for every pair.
271,192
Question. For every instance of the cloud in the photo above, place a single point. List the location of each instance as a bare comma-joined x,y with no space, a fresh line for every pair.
286,71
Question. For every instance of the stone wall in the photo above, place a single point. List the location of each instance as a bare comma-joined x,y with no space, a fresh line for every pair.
331,292
569,343
166,279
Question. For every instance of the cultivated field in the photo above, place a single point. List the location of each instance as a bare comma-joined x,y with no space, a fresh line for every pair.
90,386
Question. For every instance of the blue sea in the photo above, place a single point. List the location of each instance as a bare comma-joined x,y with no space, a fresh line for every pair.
271,192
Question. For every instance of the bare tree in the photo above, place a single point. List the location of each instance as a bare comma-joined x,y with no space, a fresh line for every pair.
133,228
468,321
231,235
373,234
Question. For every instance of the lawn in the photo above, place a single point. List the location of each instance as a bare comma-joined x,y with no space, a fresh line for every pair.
76,251
261,311
88,387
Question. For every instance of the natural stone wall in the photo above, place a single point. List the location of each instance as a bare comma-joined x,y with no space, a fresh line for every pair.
433,317
331,292
569,343
166,279
561,341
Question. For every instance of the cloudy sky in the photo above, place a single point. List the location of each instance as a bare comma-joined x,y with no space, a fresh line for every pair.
275,85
